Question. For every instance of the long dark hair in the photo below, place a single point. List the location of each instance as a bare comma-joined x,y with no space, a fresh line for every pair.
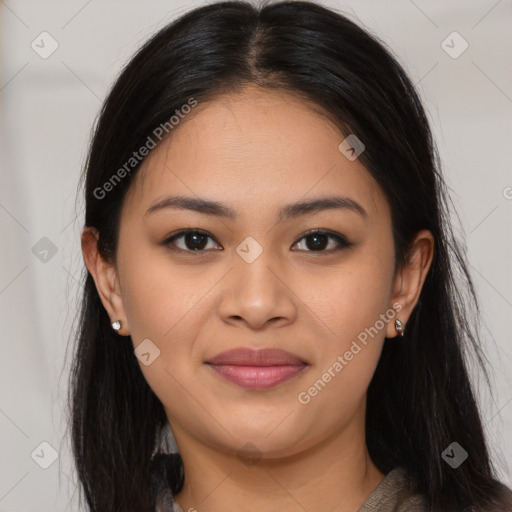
420,399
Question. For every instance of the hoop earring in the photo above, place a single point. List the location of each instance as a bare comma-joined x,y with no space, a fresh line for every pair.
116,325
400,327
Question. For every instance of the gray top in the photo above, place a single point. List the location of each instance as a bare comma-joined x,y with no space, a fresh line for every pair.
391,495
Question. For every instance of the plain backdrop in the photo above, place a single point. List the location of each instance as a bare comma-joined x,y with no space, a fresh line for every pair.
48,106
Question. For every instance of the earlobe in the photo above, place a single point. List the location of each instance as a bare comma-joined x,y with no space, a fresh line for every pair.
410,278
105,277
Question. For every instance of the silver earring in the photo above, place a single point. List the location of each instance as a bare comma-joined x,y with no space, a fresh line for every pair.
116,325
400,327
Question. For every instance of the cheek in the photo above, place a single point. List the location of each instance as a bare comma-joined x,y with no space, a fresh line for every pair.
161,307
354,306
160,298
167,305
350,298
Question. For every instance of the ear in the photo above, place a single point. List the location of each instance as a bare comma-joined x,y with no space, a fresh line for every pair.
105,277
409,279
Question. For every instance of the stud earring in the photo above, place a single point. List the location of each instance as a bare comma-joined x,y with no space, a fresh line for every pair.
400,327
116,325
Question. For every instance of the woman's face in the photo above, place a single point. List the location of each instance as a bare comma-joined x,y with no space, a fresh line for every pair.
258,279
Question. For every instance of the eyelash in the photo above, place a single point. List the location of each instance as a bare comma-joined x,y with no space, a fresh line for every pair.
343,243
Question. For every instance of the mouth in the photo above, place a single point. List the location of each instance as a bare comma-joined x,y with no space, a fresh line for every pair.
257,369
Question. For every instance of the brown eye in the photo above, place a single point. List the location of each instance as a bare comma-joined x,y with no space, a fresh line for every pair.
318,241
196,241
191,240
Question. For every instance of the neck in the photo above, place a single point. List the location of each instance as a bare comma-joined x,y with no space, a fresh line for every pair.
336,475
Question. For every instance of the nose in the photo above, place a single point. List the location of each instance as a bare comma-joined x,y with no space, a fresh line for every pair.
257,293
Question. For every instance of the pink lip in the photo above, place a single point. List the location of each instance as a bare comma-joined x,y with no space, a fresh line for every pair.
257,369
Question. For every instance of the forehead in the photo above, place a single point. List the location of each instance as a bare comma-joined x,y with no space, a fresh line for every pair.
255,148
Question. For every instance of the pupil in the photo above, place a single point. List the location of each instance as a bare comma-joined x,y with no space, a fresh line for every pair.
317,244
196,237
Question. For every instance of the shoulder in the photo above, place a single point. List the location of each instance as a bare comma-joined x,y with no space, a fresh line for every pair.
394,494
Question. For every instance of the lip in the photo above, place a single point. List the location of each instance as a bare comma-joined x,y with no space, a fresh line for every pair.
257,369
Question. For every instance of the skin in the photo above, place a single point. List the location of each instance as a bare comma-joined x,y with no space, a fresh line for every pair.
256,151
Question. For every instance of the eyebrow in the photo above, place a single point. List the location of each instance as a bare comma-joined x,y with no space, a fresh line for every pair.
288,211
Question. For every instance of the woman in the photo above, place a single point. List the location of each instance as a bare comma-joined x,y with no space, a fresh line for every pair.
271,274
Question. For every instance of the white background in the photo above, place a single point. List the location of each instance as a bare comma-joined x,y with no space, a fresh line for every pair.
47,109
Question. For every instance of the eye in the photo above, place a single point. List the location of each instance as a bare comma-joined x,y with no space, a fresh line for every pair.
319,241
194,240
